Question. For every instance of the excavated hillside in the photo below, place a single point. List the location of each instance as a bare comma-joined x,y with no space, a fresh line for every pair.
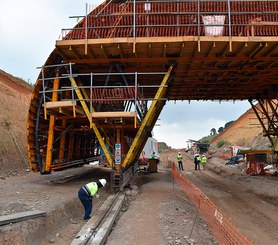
246,131
15,97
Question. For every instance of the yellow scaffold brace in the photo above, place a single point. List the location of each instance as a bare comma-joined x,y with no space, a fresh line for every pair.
148,121
92,125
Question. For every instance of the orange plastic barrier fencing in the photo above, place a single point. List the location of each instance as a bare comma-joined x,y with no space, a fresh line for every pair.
224,231
224,155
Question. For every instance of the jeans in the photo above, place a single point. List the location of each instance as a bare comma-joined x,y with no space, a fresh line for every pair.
197,166
87,203
180,165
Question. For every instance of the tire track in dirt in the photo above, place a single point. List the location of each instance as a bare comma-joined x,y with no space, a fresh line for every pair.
254,216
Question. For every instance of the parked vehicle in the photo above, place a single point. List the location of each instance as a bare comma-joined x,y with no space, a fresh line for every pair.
150,147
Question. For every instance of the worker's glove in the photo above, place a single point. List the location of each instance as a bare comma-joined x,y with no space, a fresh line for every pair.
97,195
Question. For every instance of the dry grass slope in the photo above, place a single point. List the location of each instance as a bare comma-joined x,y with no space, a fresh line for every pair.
246,131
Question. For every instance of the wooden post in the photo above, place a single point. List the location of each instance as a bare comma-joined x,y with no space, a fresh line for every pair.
50,138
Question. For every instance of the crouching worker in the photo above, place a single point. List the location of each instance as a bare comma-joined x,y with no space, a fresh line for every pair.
86,194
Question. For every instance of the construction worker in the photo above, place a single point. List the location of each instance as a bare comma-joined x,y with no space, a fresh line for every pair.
86,194
180,161
204,161
197,160
153,155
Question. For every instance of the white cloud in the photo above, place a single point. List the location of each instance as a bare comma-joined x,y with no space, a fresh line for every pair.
28,31
181,121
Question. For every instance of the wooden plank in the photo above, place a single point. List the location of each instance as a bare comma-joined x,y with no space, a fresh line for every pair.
163,40
258,23
113,114
57,104
17,217
63,107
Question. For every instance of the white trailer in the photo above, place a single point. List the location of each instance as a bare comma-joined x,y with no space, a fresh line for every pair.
150,147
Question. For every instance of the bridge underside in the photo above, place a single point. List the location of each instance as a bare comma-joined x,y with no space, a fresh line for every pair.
223,69
103,87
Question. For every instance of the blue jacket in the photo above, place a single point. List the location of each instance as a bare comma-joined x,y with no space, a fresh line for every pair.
197,159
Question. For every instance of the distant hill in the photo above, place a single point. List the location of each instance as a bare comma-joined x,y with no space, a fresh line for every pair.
15,95
246,131
162,146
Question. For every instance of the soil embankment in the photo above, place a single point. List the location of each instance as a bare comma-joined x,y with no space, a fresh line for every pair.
15,97
245,131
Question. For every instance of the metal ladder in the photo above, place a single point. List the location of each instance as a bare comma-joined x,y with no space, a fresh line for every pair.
116,180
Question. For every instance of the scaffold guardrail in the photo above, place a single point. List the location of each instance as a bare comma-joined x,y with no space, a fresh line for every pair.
177,18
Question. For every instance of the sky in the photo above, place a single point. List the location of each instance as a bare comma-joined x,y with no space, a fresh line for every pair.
28,32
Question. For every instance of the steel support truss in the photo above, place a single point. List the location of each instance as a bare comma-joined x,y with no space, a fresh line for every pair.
145,127
267,114
77,127
148,122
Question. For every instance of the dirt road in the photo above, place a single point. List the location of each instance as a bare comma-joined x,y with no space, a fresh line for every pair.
160,215
157,215
255,216
250,201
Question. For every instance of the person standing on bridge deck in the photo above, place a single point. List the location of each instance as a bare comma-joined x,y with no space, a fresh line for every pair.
86,194
180,161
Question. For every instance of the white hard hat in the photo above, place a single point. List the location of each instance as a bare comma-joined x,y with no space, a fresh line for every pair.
179,152
103,182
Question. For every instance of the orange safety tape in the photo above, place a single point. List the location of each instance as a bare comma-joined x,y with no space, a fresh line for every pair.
220,225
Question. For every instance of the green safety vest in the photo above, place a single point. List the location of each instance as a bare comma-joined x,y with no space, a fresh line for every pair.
179,157
91,188
204,160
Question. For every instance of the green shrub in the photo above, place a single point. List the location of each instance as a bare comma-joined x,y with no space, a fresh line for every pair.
206,139
220,143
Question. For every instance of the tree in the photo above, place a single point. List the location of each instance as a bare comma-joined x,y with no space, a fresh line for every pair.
213,131
221,129
228,124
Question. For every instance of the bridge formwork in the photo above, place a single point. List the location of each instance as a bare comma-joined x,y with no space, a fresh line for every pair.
104,85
